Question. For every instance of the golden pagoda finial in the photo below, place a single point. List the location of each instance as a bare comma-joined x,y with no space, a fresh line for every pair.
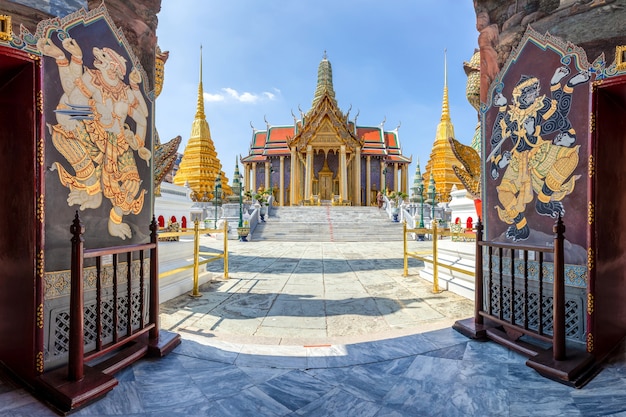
445,109
200,107
324,81
442,159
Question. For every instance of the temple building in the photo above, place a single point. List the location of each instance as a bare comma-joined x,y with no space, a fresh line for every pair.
200,168
442,158
324,157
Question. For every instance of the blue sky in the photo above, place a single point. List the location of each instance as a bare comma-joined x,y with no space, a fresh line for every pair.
260,61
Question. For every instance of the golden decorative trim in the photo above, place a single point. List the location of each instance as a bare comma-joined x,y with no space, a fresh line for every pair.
40,209
57,284
40,152
591,167
592,122
589,342
40,316
590,212
590,259
589,304
39,362
40,264
620,57
40,101
6,32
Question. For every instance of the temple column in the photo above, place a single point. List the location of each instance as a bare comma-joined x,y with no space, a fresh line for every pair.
281,190
383,181
268,171
307,173
405,177
292,178
368,180
343,188
357,178
253,179
395,176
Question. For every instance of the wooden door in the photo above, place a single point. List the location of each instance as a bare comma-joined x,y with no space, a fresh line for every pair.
20,227
326,186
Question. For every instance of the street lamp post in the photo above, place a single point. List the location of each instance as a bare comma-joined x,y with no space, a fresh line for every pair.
432,194
240,203
420,192
218,189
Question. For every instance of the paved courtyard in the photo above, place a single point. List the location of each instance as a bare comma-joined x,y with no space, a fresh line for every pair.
286,293
331,329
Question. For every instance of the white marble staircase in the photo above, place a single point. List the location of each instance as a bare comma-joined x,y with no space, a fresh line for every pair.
328,224
173,255
460,255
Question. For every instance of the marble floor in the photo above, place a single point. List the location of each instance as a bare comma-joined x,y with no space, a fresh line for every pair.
248,363
437,373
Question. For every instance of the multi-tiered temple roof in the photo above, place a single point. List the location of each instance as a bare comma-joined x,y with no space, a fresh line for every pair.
442,158
200,166
275,140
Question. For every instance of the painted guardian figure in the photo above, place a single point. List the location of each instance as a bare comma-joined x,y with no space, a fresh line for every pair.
543,152
93,134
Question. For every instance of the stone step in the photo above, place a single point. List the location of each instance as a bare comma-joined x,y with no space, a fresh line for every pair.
328,224
460,255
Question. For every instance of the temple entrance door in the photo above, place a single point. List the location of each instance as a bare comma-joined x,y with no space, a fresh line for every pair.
609,271
21,227
326,186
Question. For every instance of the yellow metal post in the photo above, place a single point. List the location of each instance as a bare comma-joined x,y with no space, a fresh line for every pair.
406,258
196,256
225,249
435,258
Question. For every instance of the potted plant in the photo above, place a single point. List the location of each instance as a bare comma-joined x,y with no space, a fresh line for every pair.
261,200
247,197
396,198
244,231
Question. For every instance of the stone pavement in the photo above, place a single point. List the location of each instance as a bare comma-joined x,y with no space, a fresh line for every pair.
331,329
314,293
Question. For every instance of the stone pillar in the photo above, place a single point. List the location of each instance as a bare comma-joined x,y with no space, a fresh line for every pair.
368,180
405,178
293,178
268,171
281,190
357,178
395,176
307,172
253,179
343,187
382,175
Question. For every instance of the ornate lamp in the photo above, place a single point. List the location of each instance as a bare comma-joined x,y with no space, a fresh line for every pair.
432,196
218,192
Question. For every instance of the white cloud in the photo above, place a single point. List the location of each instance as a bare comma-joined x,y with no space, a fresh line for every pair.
213,97
245,97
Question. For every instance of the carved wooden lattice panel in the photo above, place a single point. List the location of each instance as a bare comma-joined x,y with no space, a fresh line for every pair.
574,306
61,320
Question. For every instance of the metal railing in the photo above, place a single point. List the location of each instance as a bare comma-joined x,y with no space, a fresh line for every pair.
436,233
214,256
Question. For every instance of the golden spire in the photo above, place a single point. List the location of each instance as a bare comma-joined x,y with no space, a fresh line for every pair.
200,107
445,109
200,165
442,157
324,81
